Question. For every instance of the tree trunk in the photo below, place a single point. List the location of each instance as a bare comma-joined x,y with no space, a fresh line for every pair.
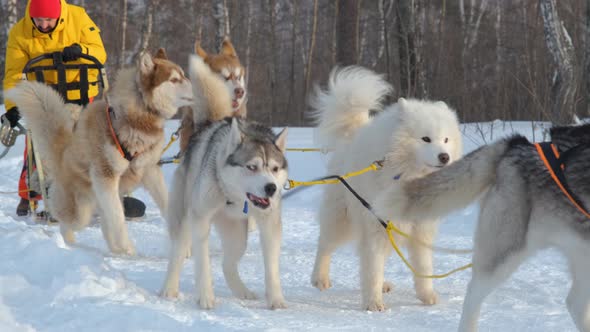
563,88
348,32
122,57
407,46
314,28
221,16
586,71
147,29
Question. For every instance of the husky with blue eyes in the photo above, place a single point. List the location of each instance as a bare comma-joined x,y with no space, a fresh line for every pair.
232,170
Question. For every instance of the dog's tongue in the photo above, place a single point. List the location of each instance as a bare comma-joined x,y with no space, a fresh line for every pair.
234,104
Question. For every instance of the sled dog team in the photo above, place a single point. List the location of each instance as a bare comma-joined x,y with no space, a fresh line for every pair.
233,169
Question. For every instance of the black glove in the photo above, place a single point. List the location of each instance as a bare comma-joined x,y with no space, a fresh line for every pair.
71,52
12,115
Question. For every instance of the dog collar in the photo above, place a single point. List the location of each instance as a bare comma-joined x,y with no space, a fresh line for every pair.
124,152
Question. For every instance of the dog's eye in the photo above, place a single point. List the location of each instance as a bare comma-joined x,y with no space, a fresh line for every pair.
446,139
426,139
175,80
252,168
275,169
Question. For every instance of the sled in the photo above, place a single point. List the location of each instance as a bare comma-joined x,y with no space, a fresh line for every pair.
38,71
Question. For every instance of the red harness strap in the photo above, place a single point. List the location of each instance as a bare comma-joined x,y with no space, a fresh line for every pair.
550,157
124,153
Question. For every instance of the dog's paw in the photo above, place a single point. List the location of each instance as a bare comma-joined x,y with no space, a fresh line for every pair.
428,297
375,306
387,287
246,294
278,303
206,302
321,283
169,293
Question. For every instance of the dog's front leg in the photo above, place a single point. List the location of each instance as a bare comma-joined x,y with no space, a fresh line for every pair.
270,235
201,228
153,181
372,261
421,259
114,229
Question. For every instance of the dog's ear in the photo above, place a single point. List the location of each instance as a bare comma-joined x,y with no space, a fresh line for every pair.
161,54
199,50
146,63
281,140
441,104
227,48
402,102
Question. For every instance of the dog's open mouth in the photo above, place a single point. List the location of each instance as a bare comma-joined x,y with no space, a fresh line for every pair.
260,202
235,104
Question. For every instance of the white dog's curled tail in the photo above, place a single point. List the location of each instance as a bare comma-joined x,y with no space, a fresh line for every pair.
441,192
46,115
212,99
344,107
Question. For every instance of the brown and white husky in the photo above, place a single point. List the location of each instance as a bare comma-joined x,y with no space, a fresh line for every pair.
230,92
110,149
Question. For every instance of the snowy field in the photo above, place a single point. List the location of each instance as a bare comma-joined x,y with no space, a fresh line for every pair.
46,285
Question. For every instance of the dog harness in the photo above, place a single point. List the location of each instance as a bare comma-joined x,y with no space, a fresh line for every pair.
124,152
555,165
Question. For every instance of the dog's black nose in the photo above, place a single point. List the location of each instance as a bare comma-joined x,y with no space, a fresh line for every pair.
444,158
270,189
239,92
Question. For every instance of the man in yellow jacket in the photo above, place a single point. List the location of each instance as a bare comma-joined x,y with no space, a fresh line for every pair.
50,26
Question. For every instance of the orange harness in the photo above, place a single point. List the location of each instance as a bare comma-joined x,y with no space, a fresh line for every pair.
550,157
124,153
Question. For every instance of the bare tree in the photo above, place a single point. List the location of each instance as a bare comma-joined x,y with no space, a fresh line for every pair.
406,29
146,33
586,71
559,43
311,46
122,57
221,16
347,39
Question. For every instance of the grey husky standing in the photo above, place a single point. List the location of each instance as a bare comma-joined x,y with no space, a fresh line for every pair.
522,211
233,169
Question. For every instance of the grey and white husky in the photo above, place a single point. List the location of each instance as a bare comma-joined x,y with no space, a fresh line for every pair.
523,210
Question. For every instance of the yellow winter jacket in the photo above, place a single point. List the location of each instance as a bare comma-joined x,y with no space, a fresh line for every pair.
25,42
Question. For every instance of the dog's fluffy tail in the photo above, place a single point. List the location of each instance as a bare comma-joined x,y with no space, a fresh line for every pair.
441,192
48,118
213,101
345,105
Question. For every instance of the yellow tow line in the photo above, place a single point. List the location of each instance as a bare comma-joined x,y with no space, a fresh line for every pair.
390,228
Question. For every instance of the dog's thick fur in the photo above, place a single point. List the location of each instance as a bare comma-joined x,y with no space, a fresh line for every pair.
232,170
223,97
413,138
522,211
84,163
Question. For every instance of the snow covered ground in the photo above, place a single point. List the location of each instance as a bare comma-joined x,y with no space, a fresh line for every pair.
46,285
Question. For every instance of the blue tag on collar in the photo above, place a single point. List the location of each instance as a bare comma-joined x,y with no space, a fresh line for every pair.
397,177
245,210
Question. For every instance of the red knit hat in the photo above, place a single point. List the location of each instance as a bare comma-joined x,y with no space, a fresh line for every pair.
45,8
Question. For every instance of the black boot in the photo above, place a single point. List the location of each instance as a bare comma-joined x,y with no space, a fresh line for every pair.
23,207
133,207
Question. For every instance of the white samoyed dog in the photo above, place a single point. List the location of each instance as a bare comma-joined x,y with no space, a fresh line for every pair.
412,137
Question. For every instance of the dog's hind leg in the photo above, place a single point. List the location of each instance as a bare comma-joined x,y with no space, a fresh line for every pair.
373,252
497,253
578,299
270,236
234,237
335,230
421,258
180,233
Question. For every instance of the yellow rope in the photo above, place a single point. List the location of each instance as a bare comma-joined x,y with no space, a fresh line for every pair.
173,139
391,228
373,167
304,149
